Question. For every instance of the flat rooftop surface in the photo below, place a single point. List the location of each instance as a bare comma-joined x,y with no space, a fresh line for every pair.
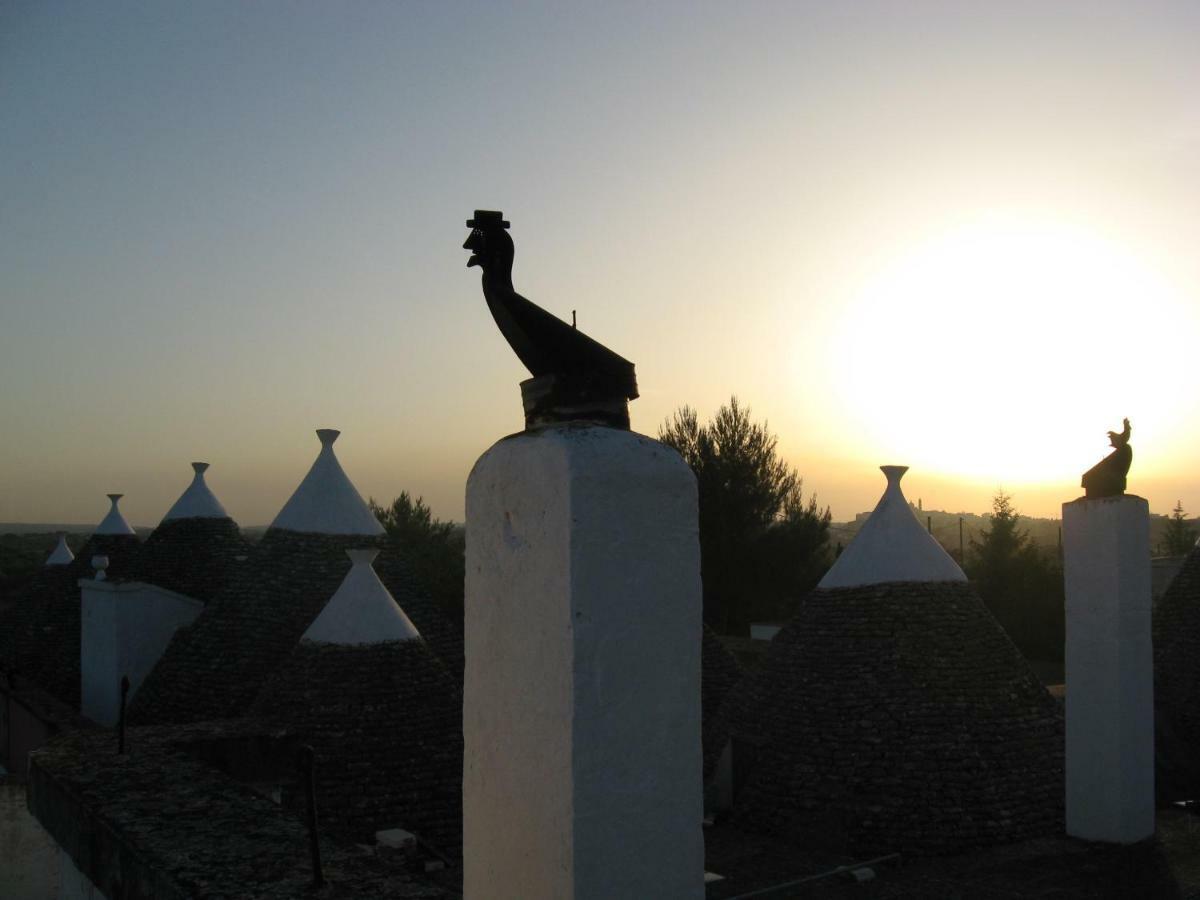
177,826
1168,866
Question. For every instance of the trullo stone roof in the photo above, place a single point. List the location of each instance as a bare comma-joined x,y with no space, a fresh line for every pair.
1177,684
897,717
194,551
382,713
893,713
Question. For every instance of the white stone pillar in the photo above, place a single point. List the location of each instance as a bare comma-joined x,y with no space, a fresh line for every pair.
1109,669
581,715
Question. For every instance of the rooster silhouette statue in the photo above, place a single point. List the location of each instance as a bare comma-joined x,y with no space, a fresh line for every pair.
574,376
1107,477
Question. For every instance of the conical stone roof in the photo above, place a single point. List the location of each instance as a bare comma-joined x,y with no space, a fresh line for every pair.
46,639
196,548
62,554
385,721
719,673
1177,684
892,545
114,522
380,710
326,502
897,717
197,501
42,637
215,667
361,611
35,632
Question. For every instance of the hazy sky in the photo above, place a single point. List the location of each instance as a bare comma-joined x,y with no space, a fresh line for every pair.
961,236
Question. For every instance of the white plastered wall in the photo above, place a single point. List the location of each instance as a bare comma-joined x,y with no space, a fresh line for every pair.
582,773
1109,670
125,629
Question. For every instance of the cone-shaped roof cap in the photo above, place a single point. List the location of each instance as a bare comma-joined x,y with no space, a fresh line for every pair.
197,502
326,502
361,610
114,522
62,553
892,546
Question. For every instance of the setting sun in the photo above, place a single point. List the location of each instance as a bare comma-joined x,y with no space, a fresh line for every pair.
1001,350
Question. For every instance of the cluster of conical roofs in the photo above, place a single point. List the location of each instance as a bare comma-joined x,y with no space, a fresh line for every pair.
892,713
298,628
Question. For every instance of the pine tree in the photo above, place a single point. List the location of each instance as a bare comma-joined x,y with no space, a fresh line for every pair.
436,550
762,545
1179,537
1020,582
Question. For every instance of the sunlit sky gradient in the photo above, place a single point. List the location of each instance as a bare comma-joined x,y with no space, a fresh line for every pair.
961,236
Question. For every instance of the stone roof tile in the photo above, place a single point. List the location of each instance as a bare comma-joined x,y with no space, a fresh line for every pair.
1176,625
897,717
385,720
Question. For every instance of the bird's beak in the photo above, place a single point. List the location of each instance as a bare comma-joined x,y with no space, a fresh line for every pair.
472,244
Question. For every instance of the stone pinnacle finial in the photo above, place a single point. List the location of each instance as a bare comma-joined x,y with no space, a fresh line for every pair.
361,611
363,555
197,501
326,501
114,522
62,553
891,546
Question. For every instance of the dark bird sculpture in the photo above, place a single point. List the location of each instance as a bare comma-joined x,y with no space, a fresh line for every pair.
1107,477
570,370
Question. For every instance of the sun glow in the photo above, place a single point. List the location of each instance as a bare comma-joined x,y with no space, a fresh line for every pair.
1003,352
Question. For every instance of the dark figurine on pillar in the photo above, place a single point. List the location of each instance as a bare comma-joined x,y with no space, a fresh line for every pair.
1107,477
574,377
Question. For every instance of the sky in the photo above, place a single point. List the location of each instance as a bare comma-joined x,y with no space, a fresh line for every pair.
958,236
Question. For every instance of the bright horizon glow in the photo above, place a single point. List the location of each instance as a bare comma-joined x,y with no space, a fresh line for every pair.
959,343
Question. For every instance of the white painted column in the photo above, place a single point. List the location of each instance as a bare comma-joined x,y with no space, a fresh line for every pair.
1109,669
581,715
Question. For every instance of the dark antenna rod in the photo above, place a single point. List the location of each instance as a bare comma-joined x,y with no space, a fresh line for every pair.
307,762
121,715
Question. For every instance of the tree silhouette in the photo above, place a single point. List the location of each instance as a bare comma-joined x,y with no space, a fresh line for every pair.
1179,537
436,549
762,545
1020,582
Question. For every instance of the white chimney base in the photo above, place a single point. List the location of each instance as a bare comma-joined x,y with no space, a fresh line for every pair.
582,768
1109,670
